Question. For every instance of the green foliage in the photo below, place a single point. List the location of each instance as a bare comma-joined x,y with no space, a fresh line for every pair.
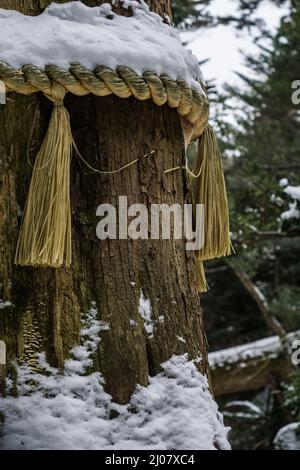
190,13
266,139
262,147
44,3
292,396
286,307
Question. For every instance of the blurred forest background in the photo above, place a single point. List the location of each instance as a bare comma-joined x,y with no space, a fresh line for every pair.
255,295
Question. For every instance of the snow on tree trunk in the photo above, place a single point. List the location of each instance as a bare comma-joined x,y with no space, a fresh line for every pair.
46,304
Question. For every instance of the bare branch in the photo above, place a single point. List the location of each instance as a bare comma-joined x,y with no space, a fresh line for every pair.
260,300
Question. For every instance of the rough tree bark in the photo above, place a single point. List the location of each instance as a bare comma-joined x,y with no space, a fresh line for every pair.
47,303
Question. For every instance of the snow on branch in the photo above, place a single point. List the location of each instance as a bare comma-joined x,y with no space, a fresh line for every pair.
267,347
294,192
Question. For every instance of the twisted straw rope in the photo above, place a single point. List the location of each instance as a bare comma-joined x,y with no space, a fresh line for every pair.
123,82
192,106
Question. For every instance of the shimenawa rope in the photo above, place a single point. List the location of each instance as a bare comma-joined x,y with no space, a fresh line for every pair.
45,235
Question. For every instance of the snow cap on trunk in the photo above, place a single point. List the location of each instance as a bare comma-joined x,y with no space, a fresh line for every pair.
74,32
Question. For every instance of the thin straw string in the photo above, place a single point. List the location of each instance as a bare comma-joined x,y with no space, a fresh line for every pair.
95,170
118,170
186,167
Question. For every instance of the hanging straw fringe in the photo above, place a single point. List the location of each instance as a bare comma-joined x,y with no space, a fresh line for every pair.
208,188
201,282
45,235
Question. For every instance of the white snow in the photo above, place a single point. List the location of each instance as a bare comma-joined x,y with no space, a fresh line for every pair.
5,304
283,182
73,32
276,199
198,360
242,409
145,311
261,296
292,213
181,339
266,347
246,351
293,192
2,353
288,437
72,411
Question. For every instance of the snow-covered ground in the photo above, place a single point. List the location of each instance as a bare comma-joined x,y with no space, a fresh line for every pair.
72,411
288,437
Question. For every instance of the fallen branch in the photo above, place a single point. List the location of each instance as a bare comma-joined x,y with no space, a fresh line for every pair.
251,366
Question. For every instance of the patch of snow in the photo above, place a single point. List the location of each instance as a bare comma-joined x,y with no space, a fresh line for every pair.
292,213
243,409
240,415
181,339
2,353
74,32
293,192
276,199
161,318
232,153
72,411
4,304
145,311
261,296
283,182
267,347
197,360
288,437
132,322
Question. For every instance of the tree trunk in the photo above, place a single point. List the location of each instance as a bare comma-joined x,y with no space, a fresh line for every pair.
47,303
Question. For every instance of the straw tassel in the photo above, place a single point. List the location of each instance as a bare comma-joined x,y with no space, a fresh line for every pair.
201,282
45,235
209,189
